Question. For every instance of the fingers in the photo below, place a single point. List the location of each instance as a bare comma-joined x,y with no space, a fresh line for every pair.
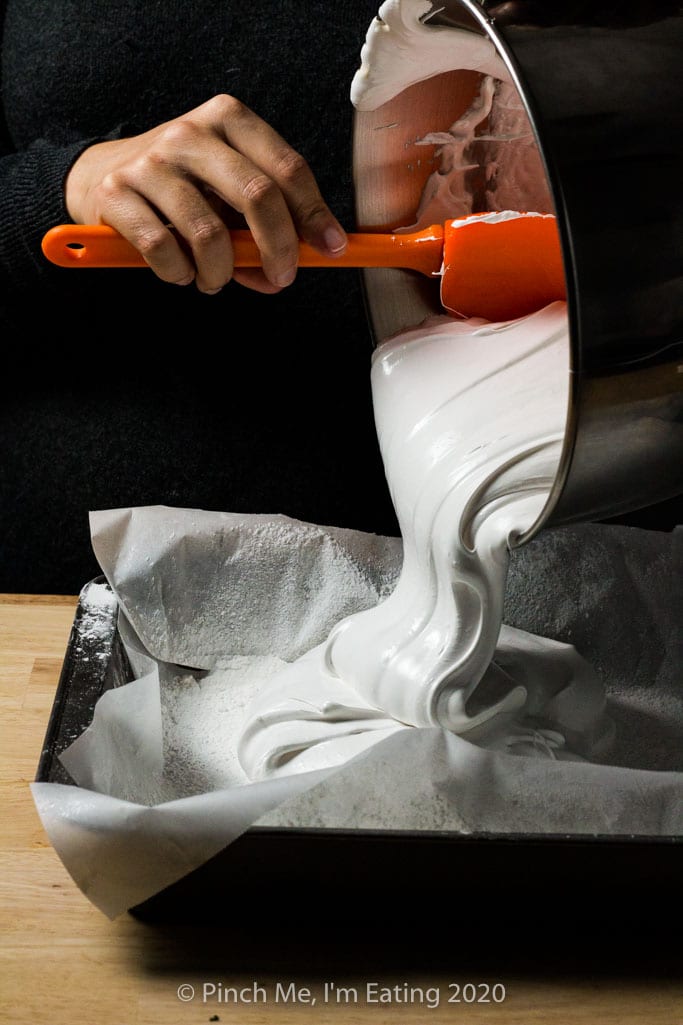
200,241
254,278
244,186
193,173
256,172
259,143
142,202
136,220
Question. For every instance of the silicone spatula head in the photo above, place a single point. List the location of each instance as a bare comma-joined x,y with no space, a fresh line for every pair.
507,264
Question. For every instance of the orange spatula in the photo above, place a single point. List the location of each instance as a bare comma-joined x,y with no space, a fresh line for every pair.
495,265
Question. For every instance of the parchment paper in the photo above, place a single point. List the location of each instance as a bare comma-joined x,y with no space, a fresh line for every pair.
201,593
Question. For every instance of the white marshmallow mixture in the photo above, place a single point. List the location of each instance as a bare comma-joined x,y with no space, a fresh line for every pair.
470,418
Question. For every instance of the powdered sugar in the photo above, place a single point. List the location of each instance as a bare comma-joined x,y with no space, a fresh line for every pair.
198,587
201,716
95,626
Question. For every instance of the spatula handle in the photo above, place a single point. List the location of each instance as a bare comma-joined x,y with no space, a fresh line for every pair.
98,245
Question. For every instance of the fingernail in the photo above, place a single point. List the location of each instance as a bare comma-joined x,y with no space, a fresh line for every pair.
210,291
335,240
185,281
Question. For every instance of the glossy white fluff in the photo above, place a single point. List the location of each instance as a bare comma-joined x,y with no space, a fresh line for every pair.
470,418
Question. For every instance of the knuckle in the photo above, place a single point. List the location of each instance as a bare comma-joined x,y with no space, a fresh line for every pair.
225,106
259,190
151,241
146,165
111,186
291,166
179,134
206,231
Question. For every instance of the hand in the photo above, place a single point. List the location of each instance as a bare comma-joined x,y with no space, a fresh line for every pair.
197,173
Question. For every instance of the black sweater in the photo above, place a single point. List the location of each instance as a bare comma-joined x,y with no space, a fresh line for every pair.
120,390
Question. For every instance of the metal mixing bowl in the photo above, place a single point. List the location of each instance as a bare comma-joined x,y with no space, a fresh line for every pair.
603,87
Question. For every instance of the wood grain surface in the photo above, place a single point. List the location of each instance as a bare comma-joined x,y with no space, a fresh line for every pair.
65,963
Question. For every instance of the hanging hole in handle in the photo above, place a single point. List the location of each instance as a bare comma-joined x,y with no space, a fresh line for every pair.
76,249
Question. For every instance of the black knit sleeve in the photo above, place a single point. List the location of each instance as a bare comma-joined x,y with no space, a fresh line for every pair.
31,201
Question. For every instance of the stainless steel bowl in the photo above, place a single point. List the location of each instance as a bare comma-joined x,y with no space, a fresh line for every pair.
603,87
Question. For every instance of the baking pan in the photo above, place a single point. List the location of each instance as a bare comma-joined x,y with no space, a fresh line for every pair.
400,876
